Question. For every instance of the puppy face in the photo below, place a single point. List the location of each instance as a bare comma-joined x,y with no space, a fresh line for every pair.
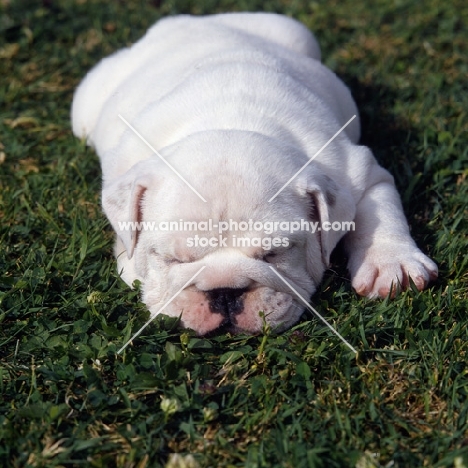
224,281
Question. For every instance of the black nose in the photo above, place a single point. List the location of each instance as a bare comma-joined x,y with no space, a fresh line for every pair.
226,301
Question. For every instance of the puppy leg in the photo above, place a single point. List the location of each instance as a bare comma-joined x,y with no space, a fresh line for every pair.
382,254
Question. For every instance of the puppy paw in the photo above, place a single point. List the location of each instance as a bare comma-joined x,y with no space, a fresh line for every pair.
384,270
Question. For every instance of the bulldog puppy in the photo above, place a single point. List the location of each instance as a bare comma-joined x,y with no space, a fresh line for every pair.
232,118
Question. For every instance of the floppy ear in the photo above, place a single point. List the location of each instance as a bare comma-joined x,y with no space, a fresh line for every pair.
122,201
329,203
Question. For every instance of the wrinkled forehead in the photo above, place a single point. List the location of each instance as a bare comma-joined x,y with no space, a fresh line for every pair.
223,200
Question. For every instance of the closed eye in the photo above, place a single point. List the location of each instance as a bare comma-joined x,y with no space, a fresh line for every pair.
274,255
166,259
171,261
269,256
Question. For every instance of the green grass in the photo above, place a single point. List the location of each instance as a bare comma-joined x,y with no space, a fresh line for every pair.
295,400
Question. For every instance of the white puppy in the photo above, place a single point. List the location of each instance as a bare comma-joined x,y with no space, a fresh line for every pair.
237,105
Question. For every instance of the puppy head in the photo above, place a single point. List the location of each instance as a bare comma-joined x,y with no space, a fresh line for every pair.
222,279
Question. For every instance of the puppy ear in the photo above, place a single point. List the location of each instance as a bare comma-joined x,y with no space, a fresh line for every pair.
329,203
122,201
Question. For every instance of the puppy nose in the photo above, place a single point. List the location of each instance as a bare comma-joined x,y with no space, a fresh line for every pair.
227,301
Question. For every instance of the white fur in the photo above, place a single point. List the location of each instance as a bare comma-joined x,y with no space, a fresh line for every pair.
238,103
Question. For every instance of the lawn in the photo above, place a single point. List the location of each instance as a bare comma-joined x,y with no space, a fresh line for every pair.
299,399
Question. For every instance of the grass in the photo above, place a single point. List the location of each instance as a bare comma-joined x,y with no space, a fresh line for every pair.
295,400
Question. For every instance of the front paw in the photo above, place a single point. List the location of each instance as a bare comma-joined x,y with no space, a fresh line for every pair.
384,270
